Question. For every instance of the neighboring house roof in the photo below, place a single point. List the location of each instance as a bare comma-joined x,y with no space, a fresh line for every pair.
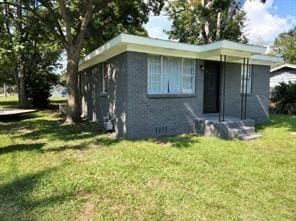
292,66
234,51
284,73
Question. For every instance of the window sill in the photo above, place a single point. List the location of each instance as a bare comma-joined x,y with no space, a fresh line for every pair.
170,95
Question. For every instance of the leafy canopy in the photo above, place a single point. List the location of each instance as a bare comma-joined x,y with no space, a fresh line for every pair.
206,21
29,47
285,45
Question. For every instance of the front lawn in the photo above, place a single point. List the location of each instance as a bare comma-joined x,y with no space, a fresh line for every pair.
51,171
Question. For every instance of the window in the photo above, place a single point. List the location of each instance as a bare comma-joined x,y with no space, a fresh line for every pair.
246,79
154,74
170,75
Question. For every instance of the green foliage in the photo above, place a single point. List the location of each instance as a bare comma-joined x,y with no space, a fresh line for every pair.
29,45
284,96
200,22
285,45
119,17
38,87
7,56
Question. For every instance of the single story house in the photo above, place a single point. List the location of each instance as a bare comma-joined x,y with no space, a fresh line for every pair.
283,73
150,87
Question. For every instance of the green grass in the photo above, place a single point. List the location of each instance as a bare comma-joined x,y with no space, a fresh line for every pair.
12,101
8,102
52,171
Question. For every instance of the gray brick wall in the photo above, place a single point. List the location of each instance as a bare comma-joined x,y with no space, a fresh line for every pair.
114,101
150,116
257,101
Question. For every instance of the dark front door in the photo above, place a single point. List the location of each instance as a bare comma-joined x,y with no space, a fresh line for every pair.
211,87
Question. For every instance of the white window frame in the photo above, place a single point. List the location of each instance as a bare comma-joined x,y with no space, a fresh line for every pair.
148,75
162,85
247,78
191,75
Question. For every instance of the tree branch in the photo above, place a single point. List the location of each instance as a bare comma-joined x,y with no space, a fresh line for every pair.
63,11
56,29
84,20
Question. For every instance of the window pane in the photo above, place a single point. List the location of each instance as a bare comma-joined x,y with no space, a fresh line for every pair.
172,75
154,74
188,75
246,79
188,84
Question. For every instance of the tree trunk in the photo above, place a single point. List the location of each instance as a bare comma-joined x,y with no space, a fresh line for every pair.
22,97
219,21
74,105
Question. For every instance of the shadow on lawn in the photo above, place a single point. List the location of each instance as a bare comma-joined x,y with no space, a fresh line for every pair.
16,202
54,129
280,121
21,147
8,103
97,143
51,129
60,131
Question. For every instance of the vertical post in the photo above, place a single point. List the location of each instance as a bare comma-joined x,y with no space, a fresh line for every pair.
224,72
242,90
246,91
220,77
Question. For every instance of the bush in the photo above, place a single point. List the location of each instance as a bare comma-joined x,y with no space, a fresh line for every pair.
38,87
284,98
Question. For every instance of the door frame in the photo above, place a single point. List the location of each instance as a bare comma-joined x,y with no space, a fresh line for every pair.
218,97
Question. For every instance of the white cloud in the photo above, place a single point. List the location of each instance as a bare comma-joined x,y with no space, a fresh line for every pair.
262,27
157,25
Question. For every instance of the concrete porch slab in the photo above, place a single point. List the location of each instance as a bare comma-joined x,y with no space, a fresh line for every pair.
230,128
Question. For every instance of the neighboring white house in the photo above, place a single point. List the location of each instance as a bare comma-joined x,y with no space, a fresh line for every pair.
58,91
283,73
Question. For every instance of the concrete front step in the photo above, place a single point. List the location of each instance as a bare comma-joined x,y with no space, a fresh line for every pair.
250,136
243,130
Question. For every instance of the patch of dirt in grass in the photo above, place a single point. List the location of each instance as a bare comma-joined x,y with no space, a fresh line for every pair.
87,211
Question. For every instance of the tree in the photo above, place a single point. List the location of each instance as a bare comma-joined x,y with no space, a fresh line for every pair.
27,47
206,21
42,53
9,47
285,45
69,21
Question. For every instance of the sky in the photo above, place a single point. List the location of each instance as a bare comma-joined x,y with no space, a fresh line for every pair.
263,21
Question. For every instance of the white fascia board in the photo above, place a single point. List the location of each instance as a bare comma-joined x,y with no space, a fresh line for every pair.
150,42
225,44
133,42
254,49
105,47
293,66
267,58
